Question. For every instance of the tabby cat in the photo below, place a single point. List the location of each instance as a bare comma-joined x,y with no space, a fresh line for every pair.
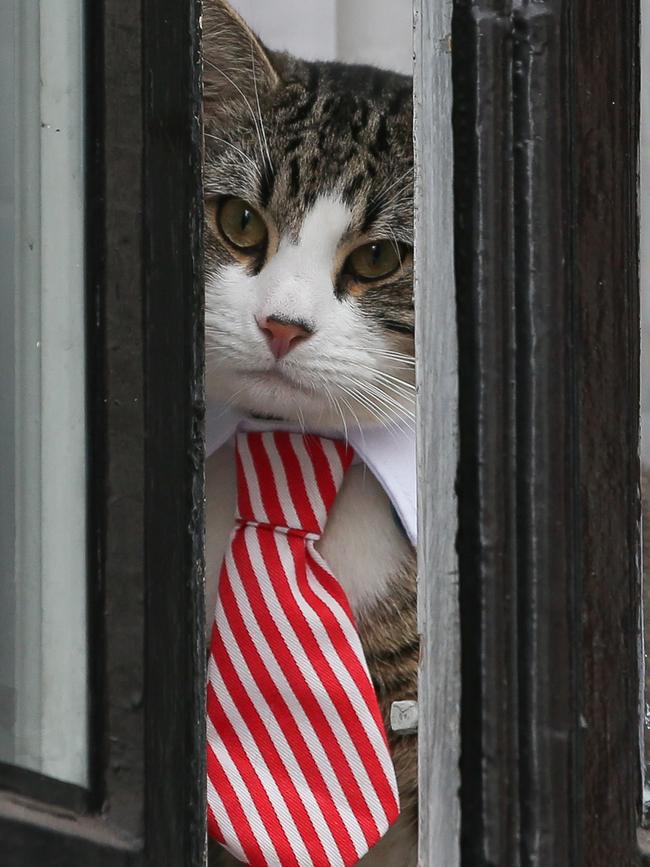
309,315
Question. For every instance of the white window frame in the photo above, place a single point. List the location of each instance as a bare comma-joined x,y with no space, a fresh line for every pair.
437,427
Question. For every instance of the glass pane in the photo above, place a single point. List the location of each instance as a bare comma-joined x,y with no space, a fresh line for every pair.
43,693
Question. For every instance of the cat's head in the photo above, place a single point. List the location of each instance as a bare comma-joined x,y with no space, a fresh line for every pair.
309,233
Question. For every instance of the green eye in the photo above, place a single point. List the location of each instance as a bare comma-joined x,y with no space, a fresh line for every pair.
241,225
375,261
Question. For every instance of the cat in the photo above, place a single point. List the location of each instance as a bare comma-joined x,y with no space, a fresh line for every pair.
308,179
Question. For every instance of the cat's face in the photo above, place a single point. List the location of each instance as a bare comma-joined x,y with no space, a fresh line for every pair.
309,232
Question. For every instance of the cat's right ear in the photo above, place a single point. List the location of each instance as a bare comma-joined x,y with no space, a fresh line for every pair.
237,68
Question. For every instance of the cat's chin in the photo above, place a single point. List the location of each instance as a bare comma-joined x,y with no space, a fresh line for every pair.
278,399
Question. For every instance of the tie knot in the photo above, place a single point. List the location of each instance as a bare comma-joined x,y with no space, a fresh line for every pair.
289,480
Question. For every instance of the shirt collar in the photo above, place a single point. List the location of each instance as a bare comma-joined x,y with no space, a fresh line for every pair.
388,452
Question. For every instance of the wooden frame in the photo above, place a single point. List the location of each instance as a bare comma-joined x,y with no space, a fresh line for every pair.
145,406
174,400
437,374
546,131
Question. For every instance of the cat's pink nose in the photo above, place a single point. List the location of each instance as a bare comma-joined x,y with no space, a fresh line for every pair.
282,334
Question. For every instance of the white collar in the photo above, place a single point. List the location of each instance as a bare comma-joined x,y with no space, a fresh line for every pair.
389,454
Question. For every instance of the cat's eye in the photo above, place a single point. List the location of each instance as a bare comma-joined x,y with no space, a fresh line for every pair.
375,261
241,225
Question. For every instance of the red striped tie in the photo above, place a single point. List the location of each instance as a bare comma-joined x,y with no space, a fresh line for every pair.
299,771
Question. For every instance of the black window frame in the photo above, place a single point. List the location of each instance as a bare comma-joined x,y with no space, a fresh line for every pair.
145,409
546,141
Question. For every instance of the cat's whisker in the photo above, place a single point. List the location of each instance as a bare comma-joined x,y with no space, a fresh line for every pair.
406,391
407,402
243,96
396,194
259,109
230,144
387,421
387,399
406,360
401,356
230,402
349,407
382,198
356,418
360,399
365,403
406,176
301,417
364,361
396,245
397,364
379,401
335,404
343,421
398,411
406,395
387,377
340,411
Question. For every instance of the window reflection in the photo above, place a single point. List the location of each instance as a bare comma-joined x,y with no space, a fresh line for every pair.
43,694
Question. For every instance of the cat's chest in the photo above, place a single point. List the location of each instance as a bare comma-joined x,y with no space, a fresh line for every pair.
362,543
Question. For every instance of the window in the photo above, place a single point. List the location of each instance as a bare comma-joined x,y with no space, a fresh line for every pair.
43,453
114,277
528,312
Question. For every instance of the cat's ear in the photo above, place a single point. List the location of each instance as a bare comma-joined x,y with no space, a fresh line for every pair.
236,66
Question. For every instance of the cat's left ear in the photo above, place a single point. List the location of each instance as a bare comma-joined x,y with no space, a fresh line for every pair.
237,68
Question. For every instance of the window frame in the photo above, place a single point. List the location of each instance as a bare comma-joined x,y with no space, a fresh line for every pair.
145,388
439,688
546,143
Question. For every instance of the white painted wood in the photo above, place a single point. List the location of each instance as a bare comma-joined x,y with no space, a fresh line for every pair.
437,362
